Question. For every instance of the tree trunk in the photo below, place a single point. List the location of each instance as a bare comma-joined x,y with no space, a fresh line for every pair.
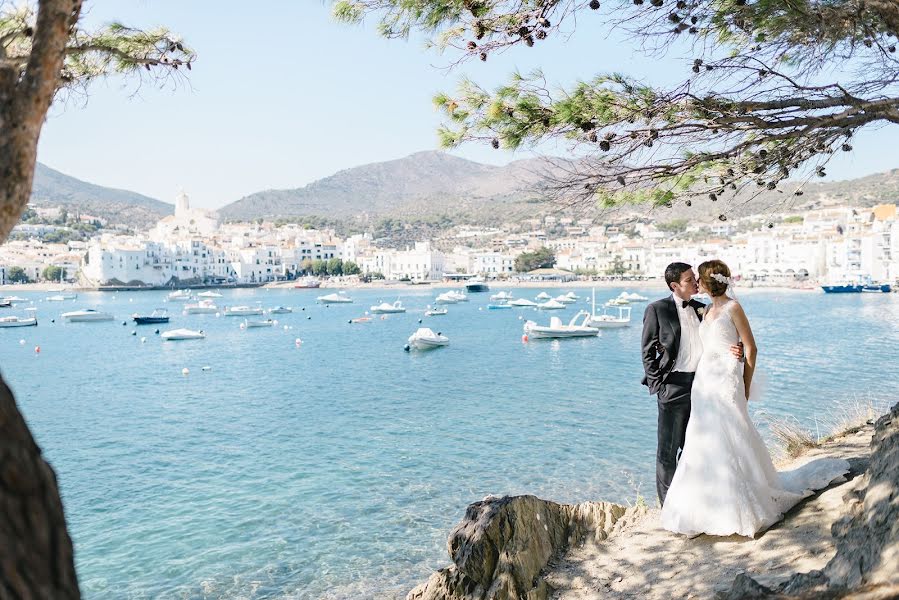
36,556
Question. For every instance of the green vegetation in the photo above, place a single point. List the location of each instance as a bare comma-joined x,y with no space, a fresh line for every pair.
617,268
17,275
52,273
794,219
675,226
333,266
539,259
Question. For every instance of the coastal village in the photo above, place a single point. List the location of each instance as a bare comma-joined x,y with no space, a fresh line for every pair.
192,247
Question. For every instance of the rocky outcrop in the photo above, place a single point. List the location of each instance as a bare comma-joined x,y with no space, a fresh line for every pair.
502,546
866,563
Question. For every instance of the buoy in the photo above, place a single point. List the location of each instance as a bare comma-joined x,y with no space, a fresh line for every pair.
524,338
309,318
406,347
419,320
286,328
275,322
297,342
156,332
350,321
143,340
185,371
37,349
304,308
480,308
21,342
53,320
243,326
134,332
124,322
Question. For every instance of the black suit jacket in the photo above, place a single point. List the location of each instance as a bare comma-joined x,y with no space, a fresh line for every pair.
661,340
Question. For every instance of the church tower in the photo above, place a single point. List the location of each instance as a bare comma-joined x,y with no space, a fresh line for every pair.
182,205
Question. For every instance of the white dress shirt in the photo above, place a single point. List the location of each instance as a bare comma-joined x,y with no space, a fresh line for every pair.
690,348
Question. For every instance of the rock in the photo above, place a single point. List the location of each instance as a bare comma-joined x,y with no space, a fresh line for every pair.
746,587
502,545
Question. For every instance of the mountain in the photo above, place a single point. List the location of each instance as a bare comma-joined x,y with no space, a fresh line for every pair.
421,185
52,188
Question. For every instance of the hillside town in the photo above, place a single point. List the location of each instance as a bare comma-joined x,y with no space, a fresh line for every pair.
192,247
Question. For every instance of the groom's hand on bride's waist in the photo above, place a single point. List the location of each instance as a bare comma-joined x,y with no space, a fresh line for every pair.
737,350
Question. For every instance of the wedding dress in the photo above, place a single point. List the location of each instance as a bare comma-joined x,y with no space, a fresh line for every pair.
725,482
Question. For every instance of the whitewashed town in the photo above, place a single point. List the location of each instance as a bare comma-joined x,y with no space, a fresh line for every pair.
192,247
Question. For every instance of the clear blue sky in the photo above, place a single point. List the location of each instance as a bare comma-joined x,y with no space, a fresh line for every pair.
281,95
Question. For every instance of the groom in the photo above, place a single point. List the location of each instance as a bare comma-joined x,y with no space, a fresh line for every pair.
671,348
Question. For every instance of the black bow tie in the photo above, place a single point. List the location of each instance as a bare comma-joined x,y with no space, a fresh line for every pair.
685,303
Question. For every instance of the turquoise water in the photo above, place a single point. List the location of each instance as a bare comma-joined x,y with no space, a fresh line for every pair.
336,469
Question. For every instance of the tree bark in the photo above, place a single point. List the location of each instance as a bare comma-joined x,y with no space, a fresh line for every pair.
36,556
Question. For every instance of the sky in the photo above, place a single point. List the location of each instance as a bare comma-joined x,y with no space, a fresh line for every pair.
282,95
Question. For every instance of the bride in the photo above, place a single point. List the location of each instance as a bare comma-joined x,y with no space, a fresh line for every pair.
725,482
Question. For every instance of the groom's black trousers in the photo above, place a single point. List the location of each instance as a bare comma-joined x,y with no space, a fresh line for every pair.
674,412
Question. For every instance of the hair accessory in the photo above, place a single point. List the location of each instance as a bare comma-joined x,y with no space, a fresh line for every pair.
722,278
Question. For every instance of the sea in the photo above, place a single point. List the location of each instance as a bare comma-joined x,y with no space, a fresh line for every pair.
318,459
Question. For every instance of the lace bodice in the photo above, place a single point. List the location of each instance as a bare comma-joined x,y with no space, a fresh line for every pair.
719,333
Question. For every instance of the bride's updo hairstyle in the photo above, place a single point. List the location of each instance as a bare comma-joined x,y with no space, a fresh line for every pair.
714,285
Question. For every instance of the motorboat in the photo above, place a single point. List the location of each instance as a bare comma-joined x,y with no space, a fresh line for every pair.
565,299
577,327
209,294
551,305
248,324
242,311
876,288
179,296
385,308
499,306
435,312
573,296
280,310
476,286
86,314
619,301
56,298
446,298
635,297
13,299
338,298
14,321
543,296
522,303
159,315
607,320
4,303
502,297
182,334
203,307
425,339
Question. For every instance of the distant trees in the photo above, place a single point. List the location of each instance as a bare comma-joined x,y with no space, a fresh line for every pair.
53,273
617,267
332,266
17,275
539,259
674,226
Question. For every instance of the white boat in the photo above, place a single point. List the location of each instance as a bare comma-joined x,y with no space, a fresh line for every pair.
619,301
209,294
543,296
338,298
435,312
13,299
86,314
385,308
280,310
426,339
13,321
564,300
573,296
577,327
179,296
501,297
57,298
551,305
247,324
635,297
459,296
203,307
446,299
522,303
183,334
609,321
242,311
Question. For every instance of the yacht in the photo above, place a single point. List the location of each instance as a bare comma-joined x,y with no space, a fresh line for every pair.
203,307
86,314
446,298
385,308
577,327
14,321
477,286
242,311
425,339
183,334
159,315
338,298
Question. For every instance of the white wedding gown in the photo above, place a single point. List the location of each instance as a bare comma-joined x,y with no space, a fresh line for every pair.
725,482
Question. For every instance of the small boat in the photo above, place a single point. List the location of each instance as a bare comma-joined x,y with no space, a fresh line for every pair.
476,286
565,299
425,339
522,303
248,324
209,294
876,288
502,296
13,299
183,334
57,298
159,315
360,320
435,312
86,314
633,297
385,308
498,306
280,310
543,296
242,311
446,299
5,303
551,305
619,301
606,320
14,321
573,296
338,298
577,327
203,307
179,296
